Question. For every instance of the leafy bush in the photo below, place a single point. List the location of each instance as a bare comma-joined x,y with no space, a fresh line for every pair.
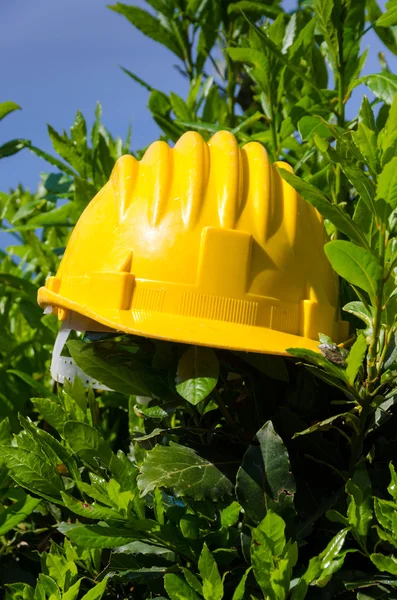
215,474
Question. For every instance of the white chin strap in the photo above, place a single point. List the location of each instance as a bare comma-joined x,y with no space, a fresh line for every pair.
64,367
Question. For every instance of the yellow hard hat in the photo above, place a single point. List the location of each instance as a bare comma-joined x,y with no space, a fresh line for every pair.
203,244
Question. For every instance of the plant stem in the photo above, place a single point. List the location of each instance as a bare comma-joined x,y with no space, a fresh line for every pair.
340,115
339,184
273,126
231,80
224,410
372,377
358,439
372,362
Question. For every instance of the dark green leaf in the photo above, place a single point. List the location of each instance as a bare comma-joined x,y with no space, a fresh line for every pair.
264,474
87,443
96,536
137,79
119,378
150,26
17,512
12,147
184,472
359,511
33,472
90,511
197,374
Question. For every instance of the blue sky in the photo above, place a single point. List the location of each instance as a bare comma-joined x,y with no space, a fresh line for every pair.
57,57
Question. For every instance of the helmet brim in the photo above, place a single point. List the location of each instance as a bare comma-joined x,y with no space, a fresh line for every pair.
182,329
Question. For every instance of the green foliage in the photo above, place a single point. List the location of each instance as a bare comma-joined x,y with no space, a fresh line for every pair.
214,474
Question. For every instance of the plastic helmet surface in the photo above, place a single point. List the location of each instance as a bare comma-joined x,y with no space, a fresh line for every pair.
204,244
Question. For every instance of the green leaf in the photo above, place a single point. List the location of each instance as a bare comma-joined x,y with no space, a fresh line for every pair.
49,587
253,9
8,107
383,85
388,135
137,79
357,265
384,512
17,512
152,412
327,424
96,592
51,411
33,383
386,191
118,378
324,18
179,107
96,536
87,443
365,188
264,474
332,212
189,527
334,370
366,114
309,125
385,563
33,472
365,140
177,588
68,150
212,582
5,433
323,565
52,160
360,311
184,472
392,489
90,511
359,510
73,591
230,514
150,26
284,59
12,147
389,18
356,357
240,589
272,558
197,374
193,581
